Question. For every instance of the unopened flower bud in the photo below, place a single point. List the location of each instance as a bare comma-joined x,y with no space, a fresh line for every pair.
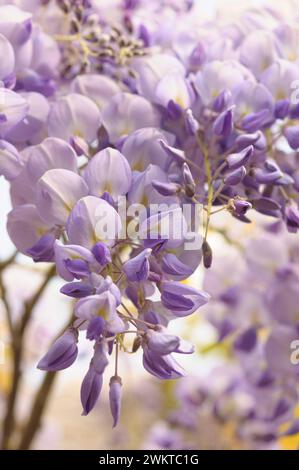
136,344
188,181
115,387
62,353
207,254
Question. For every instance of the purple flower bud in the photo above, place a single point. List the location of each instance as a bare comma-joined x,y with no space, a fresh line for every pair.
137,268
108,198
156,245
32,81
172,266
174,110
161,343
166,189
293,429
223,124
92,383
269,174
250,182
207,254
255,121
261,143
292,218
282,407
163,367
78,290
152,317
181,299
291,133
95,328
90,390
144,35
191,124
77,267
282,109
43,249
24,32
177,155
197,55
230,296
266,379
235,160
130,4
101,253
274,227
266,206
285,180
10,81
115,386
188,181
246,341
244,140
235,177
240,207
62,353
222,101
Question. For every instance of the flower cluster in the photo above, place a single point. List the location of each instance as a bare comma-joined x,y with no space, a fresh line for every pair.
261,328
255,387
99,106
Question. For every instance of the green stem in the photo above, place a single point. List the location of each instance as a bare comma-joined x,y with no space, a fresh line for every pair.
208,172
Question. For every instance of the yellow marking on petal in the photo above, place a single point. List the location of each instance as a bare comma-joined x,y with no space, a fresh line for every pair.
102,312
280,95
292,56
138,166
180,101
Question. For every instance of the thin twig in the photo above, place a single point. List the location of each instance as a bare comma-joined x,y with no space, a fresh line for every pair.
7,310
39,404
8,261
19,331
29,306
116,356
3,266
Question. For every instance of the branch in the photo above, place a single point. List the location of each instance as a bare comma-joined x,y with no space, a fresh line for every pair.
29,306
39,404
4,264
19,331
37,409
7,309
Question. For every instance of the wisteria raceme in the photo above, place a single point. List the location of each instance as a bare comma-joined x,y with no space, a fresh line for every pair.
120,139
254,388
264,336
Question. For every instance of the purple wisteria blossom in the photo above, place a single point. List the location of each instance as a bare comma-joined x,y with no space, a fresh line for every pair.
122,134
